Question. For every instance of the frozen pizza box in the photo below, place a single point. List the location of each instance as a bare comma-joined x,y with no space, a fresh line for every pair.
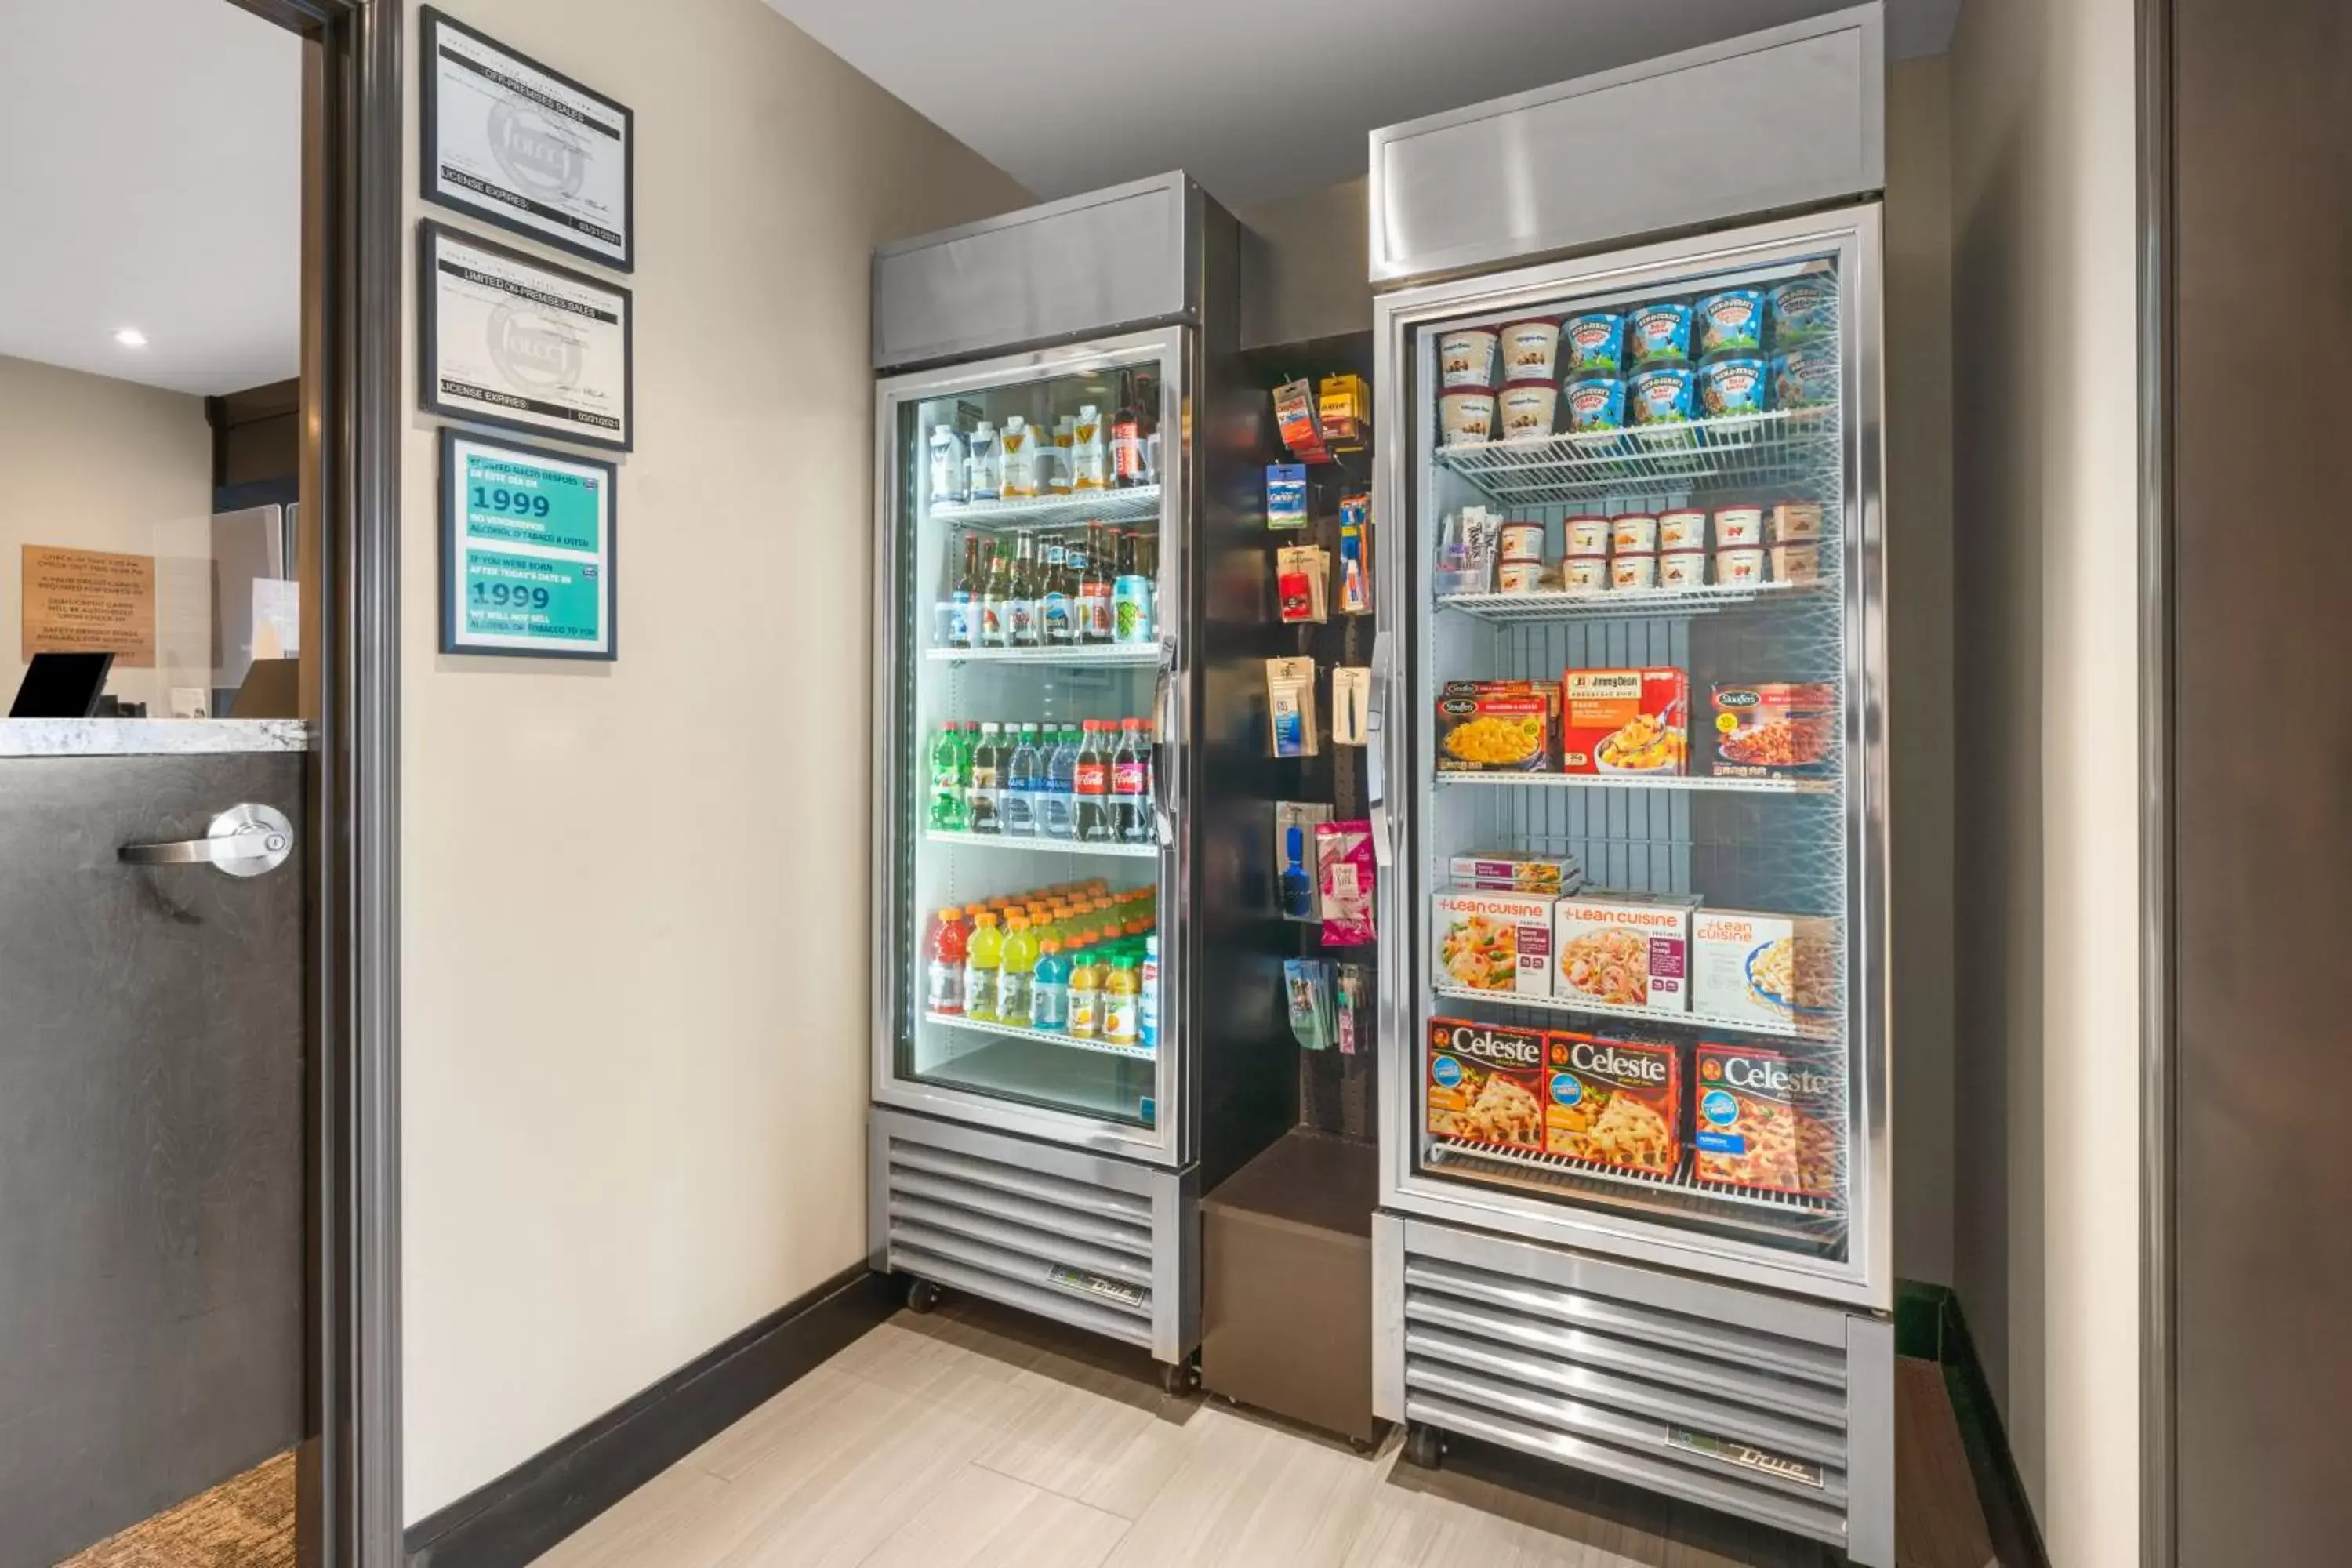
1624,950
1494,942
1763,968
1614,1103
1483,1084
1766,1119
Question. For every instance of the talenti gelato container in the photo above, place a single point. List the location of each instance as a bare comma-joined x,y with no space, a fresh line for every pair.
1743,567
1584,574
1682,569
1682,530
1796,564
1730,384
1531,348
1522,542
1467,357
1636,569
1593,343
1596,403
1587,535
1658,334
1635,533
1731,319
1467,414
1526,409
1662,395
1738,525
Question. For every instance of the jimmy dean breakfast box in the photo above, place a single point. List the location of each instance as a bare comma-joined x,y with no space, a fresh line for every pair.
1766,1119
1626,950
1485,1084
1614,1102
1624,722
1494,942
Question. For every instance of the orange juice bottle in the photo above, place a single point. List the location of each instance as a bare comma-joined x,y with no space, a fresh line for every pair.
983,957
1121,996
1086,989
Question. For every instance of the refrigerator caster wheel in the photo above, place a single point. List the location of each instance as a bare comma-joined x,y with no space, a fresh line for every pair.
922,1296
1424,1448
1177,1378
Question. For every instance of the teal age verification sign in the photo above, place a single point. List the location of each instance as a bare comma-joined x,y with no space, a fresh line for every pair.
527,551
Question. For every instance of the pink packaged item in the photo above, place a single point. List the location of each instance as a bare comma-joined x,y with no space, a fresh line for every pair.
1343,870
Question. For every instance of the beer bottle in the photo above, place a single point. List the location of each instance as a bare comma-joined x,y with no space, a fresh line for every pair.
1094,588
1057,605
996,600
1020,628
1126,437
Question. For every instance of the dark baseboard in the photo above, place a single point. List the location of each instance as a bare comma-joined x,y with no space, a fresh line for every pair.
525,1512
1928,1324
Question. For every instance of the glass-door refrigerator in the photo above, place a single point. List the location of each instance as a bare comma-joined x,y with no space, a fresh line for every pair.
1041,1083
1637,1173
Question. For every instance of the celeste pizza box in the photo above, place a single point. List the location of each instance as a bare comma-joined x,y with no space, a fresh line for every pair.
1616,1103
1485,1084
1766,1119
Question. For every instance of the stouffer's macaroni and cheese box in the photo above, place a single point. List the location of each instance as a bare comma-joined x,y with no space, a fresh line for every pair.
1494,942
1614,1102
1485,1084
1766,1119
1764,968
1628,950
1624,722
1495,726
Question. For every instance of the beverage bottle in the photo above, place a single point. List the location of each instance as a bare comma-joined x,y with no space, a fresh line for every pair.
950,480
1120,1026
964,596
1148,1009
1126,437
1016,971
1064,436
948,763
1147,410
1085,989
1131,619
983,799
984,465
1058,803
1131,815
1058,606
1021,605
1014,443
949,948
1091,785
1089,458
1094,590
983,954
1049,994
1021,770
996,600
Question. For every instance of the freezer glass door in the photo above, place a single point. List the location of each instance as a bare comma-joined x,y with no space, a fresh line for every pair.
1640,585
1024,505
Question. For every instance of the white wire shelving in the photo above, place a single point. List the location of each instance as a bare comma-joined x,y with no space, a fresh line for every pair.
1047,1036
1678,784
1559,605
1041,844
1704,1023
1086,655
1140,504
1740,449
1564,1169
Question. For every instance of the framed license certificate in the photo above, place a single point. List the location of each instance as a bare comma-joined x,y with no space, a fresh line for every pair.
524,147
506,339
527,551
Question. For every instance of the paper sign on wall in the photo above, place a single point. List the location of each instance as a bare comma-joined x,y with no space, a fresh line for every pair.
89,601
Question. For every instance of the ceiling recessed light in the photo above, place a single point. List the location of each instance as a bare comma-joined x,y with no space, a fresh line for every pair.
131,338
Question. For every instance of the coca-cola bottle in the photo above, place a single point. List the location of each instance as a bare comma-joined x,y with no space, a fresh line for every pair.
1130,785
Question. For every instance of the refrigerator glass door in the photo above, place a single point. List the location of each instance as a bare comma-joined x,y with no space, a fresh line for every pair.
1638,1000
1025,861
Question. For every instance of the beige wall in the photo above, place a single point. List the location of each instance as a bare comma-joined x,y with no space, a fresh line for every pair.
94,463
2047,1263
634,984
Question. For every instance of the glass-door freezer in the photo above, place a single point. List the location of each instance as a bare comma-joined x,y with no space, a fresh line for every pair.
1634,1000
1028,743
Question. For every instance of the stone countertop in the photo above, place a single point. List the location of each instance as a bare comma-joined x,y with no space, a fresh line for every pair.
150,736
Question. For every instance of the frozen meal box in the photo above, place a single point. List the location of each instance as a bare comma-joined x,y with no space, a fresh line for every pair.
1485,1084
1625,950
1766,1119
1764,968
1624,720
1614,1102
1773,729
1503,870
1494,942
1494,726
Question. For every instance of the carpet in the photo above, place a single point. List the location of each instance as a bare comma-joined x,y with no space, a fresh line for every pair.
247,1521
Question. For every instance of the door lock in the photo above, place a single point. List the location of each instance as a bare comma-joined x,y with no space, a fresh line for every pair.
243,841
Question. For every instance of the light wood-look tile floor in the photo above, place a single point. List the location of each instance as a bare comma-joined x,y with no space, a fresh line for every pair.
974,1437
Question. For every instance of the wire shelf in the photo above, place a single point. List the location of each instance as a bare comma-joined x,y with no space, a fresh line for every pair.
1086,655
1041,844
1140,504
1558,604
1045,1036
1446,1150
1758,450
1701,1023
1687,784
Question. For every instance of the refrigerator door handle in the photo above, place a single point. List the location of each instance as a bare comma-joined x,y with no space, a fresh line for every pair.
1376,756
1163,818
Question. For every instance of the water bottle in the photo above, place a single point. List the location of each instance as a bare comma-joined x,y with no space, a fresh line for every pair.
1057,802
1021,787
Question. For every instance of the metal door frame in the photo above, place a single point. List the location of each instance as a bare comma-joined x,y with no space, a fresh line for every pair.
350,1510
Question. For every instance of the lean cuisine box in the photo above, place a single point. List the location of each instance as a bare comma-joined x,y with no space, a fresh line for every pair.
1494,942
1764,968
1485,1084
1624,722
1614,1102
1768,1120
1626,950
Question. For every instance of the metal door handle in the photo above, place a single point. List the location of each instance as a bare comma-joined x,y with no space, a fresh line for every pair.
243,841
